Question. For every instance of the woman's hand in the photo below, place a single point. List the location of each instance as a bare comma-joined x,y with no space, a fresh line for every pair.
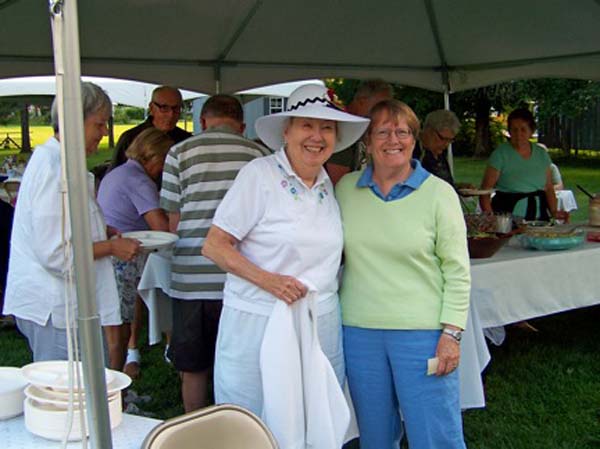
490,178
286,288
448,354
221,247
124,248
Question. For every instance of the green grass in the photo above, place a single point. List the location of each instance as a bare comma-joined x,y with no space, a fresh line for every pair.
39,134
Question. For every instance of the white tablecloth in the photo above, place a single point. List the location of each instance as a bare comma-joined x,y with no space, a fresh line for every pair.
566,200
128,435
518,284
154,290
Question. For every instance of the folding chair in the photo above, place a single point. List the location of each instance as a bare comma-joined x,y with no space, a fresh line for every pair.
218,427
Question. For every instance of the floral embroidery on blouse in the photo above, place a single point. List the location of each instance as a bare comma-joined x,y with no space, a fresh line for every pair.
322,192
290,186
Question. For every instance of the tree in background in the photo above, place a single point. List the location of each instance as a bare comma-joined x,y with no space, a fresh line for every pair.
472,107
477,105
9,112
560,103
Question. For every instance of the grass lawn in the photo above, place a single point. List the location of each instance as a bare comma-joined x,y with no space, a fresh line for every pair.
39,134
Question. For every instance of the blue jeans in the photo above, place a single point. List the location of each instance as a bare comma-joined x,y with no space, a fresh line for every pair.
387,375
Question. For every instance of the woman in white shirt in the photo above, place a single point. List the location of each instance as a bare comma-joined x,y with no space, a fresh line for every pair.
40,260
278,234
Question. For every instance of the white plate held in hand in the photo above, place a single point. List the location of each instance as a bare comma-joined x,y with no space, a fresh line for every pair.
152,240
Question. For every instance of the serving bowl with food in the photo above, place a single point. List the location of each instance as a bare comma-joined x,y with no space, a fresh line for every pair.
487,233
552,238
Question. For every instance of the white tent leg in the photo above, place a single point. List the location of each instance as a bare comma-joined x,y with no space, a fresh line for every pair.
68,76
450,155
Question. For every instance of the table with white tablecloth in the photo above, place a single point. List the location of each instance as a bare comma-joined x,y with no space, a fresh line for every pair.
514,285
565,200
128,435
518,284
154,291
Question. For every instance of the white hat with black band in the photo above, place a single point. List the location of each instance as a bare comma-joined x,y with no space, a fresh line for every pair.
311,101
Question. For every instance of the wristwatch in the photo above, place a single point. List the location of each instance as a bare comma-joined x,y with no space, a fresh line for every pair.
456,334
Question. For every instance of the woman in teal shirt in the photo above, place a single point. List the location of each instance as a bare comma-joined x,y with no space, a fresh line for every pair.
520,172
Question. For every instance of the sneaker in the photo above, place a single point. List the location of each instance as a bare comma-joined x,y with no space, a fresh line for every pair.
166,356
132,363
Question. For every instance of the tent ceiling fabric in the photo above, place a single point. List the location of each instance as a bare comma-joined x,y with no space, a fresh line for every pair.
247,43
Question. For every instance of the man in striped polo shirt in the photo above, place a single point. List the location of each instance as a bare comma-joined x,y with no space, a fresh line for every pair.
197,174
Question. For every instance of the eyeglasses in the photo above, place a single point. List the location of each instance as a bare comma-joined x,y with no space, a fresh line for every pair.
167,107
445,139
385,134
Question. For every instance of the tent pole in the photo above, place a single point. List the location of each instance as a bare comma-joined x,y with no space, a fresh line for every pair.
450,155
65,32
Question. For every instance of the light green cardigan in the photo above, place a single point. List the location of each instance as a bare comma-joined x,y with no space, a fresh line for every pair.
406,261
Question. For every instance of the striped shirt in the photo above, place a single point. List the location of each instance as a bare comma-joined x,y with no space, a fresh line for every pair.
197,174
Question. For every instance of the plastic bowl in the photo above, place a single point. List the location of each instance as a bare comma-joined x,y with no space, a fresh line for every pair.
12,387
49,421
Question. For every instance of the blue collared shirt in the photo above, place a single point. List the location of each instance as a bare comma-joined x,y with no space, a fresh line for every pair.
400,190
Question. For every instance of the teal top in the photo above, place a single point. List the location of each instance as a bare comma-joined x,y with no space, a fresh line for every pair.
406,261
519,175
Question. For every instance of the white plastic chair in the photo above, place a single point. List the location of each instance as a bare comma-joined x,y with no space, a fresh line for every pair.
223,426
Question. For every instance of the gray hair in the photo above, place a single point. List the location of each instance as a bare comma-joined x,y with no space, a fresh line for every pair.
370,88
93,99
442,119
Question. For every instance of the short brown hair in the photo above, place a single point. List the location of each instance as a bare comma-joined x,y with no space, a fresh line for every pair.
522,114
222,105
396,109
149,144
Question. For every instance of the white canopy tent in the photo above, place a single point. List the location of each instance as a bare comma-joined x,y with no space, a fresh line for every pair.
205,45
125,92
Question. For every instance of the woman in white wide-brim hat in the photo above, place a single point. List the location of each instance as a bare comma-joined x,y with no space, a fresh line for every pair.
278,234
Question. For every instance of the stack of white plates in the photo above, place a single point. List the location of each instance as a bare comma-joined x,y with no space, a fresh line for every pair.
12,384
47,403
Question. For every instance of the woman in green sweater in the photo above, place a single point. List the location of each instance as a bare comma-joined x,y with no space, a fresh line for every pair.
405,290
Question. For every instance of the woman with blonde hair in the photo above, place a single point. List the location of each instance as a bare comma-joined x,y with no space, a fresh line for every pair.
129,199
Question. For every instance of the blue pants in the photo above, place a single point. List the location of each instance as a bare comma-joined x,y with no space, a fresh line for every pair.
387,375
